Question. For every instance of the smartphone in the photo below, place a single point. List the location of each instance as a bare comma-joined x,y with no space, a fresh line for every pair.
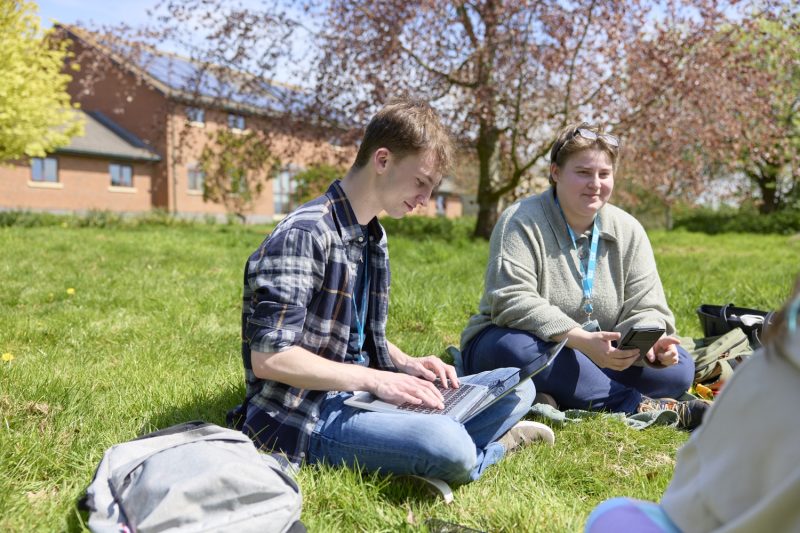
642,337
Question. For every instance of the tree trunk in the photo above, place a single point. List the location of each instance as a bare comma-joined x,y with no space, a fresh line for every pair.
488,213
767,180
668,222
488,147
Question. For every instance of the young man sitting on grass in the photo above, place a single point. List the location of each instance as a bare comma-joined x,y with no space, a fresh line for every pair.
316,299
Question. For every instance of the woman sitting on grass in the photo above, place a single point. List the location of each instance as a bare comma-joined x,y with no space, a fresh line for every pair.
566,264
741,470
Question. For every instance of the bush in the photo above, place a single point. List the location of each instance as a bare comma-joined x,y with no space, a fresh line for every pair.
92,219
314,181
730,220
427,227
26,219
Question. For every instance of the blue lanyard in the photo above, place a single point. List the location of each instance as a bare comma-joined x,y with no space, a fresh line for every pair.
361,314
587,275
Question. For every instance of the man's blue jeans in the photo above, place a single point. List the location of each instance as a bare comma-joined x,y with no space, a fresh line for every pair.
419,444
573,380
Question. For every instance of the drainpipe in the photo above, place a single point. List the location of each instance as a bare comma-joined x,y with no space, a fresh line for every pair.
173,157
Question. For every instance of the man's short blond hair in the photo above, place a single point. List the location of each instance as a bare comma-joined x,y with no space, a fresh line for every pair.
406,127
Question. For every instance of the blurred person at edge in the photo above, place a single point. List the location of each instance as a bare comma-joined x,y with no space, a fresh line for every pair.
740,471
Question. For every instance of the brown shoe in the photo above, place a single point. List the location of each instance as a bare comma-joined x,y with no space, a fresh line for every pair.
690,413
526,432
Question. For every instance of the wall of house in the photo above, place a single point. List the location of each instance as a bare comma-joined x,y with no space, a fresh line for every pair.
452,207
193,137
101,85
130,101
83,184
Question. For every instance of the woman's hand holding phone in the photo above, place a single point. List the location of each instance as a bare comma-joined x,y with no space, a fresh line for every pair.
598,347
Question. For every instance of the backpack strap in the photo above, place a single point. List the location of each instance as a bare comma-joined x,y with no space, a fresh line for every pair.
179,428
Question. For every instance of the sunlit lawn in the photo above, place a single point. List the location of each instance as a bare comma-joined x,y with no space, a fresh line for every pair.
118,331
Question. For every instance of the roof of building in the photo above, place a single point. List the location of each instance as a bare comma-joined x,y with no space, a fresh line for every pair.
193,81
105,138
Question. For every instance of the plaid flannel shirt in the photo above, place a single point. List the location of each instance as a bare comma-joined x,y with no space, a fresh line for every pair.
298,288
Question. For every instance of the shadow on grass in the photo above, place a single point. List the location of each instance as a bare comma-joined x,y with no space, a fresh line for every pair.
210,409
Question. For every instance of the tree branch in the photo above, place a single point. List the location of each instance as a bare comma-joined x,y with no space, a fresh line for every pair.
575,59
462,14
518,101
517,175
437,72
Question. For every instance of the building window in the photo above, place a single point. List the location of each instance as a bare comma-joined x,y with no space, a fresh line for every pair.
441,205
121,175
44,169
283,187
196,177
235,122
196,115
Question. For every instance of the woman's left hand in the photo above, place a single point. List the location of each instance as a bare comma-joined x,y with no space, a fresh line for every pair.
664,351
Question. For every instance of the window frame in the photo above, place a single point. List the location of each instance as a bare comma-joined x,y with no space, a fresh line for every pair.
192,113
236,122
285,176
43,174
196,171
121,166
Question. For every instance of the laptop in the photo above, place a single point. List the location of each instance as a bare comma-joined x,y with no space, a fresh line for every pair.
467,401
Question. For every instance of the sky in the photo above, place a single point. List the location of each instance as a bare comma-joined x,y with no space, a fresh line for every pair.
94,13
132,12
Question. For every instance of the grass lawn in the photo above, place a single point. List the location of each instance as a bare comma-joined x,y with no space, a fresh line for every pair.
119,331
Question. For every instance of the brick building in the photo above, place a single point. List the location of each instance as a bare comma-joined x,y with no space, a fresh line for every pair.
145,105
107,168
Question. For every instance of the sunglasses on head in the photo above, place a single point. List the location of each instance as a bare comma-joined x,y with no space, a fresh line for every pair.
590,135
611,140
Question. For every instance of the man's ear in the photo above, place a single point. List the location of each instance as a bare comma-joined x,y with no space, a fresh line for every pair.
381,159
554,172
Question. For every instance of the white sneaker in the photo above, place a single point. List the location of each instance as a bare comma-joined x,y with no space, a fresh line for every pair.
526,432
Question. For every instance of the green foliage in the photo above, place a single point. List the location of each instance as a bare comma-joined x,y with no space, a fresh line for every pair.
314,181
236,165
769,160
786,222
149,337
428,227
36,116
102,219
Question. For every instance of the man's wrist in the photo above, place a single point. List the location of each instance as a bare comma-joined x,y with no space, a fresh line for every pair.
369,379
399,358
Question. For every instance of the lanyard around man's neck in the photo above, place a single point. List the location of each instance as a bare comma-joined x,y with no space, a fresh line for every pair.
587,274
360,311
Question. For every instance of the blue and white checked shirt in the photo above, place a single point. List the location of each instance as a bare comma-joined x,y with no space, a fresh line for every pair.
298,288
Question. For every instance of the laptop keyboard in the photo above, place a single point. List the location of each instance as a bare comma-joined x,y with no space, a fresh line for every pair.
451,398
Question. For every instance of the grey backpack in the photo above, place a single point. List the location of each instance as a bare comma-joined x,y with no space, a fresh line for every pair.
192,477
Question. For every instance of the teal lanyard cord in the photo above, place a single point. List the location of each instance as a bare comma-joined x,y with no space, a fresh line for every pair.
361,314
794,310
587,275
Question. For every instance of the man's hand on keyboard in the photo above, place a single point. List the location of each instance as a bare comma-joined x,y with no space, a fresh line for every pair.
398,388
431,368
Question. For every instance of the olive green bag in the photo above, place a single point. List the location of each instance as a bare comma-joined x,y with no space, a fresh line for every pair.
715,358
